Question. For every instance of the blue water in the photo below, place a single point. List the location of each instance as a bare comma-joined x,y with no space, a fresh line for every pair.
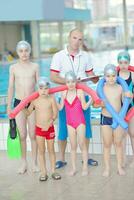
4,73
44,71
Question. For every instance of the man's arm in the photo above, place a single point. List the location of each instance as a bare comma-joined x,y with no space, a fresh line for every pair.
10,89
91,73
54,76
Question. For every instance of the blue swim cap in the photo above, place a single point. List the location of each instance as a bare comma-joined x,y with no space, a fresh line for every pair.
124,55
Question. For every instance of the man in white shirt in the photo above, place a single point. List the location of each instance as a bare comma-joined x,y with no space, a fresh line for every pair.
78,61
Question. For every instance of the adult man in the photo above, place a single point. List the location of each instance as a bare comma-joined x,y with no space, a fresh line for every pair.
71,59
22,80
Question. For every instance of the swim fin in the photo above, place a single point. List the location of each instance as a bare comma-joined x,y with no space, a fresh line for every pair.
13,141
13,130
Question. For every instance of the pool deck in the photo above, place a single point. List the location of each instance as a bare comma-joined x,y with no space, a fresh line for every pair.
92,187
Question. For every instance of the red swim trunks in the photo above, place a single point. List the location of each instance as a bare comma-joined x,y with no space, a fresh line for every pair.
49,134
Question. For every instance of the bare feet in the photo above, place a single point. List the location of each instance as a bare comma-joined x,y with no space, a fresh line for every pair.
84,173
72,173
131,164
35,168
124,164
106,173
23,168
121,171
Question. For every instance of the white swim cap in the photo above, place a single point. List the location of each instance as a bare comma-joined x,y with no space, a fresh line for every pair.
23,45
70,76
44,82
110,69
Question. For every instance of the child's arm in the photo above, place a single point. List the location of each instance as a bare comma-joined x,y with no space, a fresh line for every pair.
61,104
102,105
29,110
84,104
54,108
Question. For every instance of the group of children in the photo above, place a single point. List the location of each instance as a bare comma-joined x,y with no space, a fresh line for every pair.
46,108
73,99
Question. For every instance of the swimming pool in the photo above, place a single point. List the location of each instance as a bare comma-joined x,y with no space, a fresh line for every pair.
44,71
4,73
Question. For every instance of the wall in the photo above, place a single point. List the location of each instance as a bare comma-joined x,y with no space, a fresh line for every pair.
10,34
96,146
29,10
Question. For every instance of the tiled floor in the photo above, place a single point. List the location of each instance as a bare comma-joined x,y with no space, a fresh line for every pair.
92,187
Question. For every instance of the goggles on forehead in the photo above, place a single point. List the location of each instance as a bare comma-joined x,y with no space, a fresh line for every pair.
43,82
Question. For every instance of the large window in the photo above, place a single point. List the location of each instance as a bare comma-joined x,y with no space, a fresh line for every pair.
67,27
77,4
49,37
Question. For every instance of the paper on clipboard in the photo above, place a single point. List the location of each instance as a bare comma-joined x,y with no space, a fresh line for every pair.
89,78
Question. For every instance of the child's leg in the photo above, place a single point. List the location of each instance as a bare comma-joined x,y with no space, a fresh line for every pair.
131,134
31,130
22,127
83,147
124,150
107,135
51,151
41,149
118,141
73,142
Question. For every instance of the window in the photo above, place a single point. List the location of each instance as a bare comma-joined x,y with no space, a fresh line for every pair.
49,37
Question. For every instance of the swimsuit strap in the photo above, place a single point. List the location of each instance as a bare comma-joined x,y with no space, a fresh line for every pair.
129,80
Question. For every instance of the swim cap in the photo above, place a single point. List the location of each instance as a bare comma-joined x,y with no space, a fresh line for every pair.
70,76
23,44
110,69
124,55
43,81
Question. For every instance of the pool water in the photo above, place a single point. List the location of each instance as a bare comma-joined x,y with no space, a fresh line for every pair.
4,73
44,71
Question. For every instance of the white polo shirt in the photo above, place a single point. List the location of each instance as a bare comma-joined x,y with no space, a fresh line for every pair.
62,62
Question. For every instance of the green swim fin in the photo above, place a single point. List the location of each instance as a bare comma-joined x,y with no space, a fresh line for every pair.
13,141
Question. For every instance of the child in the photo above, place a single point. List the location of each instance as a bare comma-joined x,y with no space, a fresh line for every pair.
45,114
74,101
109,135
23,77
124,61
